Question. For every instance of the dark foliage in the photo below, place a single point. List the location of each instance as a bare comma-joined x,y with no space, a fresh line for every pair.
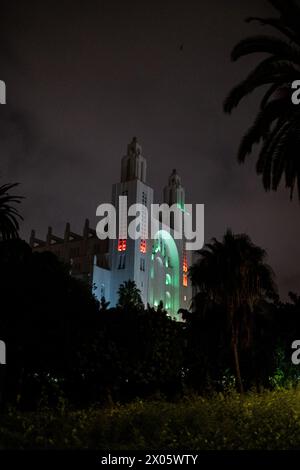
62,343
9,215
277,124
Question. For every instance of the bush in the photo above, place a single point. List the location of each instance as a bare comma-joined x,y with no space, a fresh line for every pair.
270,420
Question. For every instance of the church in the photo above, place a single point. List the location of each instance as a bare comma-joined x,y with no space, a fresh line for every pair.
158,265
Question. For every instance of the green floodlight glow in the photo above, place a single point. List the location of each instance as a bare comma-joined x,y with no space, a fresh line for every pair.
181,206
174,258
157,288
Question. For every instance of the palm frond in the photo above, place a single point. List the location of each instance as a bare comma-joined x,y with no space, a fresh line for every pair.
261,127
9,215
278,25
265,73
265,45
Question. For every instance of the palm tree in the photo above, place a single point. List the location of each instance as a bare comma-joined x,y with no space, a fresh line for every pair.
276,127
9,215
129,295
233,273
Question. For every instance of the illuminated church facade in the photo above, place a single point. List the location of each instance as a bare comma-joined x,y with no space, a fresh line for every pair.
158,266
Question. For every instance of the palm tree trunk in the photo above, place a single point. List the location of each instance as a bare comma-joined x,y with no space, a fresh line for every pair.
237,365
237,368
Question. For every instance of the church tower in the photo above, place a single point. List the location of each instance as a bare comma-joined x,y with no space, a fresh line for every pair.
169,281
158,266
130,259
174,192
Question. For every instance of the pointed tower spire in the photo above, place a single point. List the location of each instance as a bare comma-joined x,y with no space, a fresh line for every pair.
174,192
134,165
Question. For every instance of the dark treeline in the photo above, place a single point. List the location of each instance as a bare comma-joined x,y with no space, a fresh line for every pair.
61,342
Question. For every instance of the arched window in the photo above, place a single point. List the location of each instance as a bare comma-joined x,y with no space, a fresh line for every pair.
168,301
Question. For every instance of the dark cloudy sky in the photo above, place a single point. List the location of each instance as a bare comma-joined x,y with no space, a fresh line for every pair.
84,77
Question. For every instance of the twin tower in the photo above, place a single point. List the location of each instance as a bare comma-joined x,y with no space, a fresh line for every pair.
159,266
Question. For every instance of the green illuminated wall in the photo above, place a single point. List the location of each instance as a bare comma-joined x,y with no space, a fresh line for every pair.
164,281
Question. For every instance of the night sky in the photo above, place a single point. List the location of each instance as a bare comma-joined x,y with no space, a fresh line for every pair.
84,78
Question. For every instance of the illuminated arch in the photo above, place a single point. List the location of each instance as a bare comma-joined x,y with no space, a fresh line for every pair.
170,298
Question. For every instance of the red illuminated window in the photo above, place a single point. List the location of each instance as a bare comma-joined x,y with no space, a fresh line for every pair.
122,244
143,246
185,270
184,265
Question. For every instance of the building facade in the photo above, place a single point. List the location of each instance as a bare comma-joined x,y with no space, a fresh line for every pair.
158,265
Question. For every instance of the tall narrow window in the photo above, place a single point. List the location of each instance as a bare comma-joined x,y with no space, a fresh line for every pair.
122,260
184,264
102,290
144,198
185,270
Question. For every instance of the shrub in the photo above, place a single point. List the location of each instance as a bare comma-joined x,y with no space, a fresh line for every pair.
270,420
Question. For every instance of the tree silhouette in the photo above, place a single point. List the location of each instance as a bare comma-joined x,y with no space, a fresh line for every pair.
129,295
44,320
233,273
9,215
277,124
103,303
